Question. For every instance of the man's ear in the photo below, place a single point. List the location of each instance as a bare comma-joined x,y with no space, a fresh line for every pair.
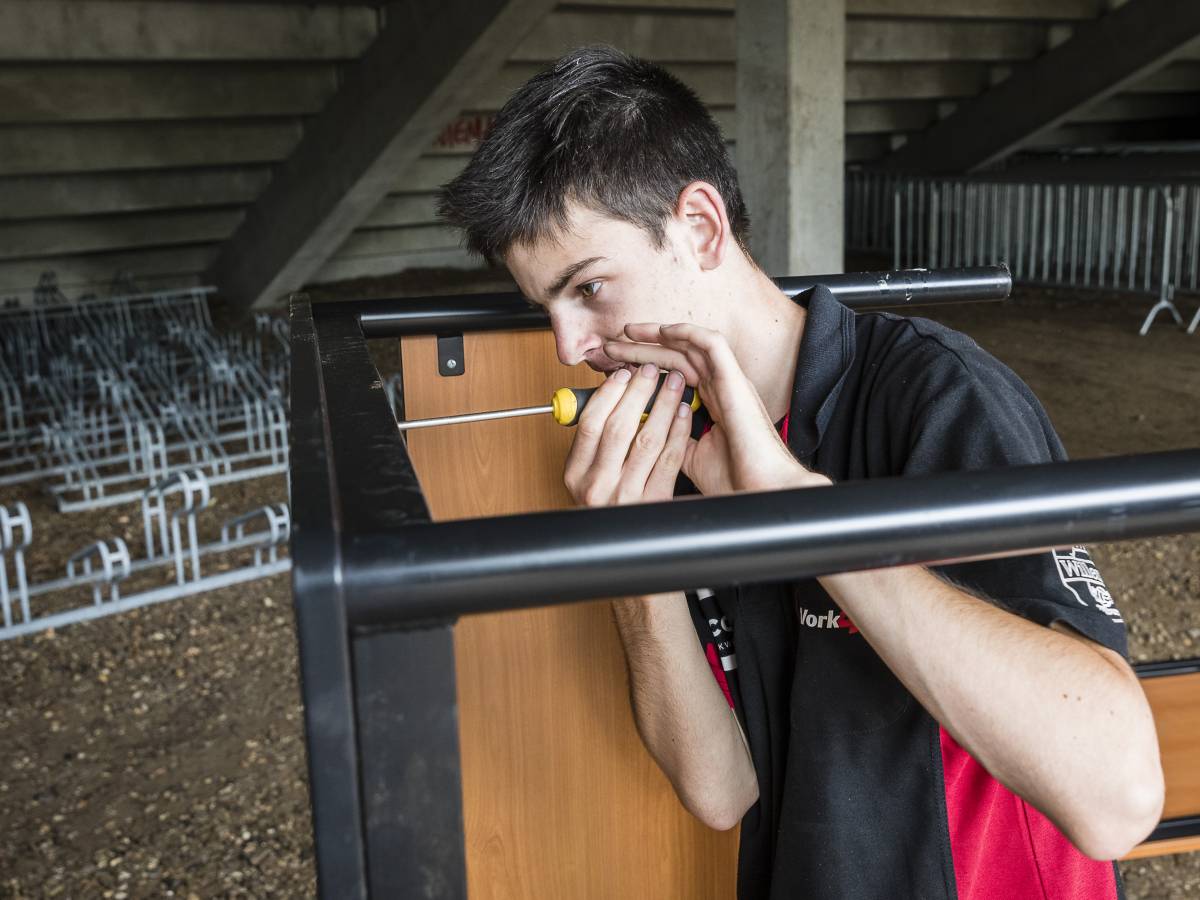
701,210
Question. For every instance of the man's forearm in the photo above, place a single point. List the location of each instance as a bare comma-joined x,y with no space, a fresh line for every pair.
1049,715
681,712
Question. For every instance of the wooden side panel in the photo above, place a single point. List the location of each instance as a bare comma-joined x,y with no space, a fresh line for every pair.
560,797
1175,700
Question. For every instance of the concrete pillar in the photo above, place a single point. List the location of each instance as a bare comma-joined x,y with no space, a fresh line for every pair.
791,74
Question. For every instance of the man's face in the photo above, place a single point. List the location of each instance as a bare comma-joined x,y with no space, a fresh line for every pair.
601,274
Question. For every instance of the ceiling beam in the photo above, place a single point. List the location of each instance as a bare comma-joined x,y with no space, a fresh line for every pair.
1100,58
428,60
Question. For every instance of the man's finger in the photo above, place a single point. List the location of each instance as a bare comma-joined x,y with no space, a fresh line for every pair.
648,445
623,422
661,482
731,390
643,332
713,343
590,428
662,357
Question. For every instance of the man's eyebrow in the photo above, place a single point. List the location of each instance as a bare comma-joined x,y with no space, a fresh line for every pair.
568,273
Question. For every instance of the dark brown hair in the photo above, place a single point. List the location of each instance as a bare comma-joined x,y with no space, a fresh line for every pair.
615,133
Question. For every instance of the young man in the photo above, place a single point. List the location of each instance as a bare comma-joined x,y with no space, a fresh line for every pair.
972,731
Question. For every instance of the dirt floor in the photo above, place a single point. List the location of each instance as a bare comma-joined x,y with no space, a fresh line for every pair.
160,753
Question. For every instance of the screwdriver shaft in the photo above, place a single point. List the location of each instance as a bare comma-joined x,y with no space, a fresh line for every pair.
476,417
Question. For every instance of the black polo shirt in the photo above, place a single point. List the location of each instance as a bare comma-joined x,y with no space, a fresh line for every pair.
862,794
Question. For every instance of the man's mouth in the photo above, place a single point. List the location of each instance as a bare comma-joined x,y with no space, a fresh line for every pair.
600,362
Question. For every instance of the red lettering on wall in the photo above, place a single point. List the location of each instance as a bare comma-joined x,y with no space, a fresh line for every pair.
466,131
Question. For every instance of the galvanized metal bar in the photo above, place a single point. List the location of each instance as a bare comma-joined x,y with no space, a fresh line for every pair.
1089,234
1060,236
1019,268
1194,246
896,245
1152,253
1166,287
1135,236
1119,239
1047,224
1105,236
908,225
935,225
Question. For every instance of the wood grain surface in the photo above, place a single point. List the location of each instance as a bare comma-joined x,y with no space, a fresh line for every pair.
1175,700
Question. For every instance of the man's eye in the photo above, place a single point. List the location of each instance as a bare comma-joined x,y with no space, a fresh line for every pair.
590,289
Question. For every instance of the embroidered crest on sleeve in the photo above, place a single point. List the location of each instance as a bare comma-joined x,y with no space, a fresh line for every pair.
1080,576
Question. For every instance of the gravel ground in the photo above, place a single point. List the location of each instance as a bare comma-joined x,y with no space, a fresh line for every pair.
160,753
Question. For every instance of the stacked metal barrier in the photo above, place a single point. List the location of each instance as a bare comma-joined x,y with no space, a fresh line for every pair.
137,398
101,399
169,518
1133,237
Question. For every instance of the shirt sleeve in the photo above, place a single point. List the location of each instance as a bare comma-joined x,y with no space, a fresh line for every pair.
972,412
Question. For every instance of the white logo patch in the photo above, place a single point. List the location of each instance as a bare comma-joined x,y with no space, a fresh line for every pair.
1080,576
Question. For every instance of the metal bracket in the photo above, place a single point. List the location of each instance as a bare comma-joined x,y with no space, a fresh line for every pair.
452,358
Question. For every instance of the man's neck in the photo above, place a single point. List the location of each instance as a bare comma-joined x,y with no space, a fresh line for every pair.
765,336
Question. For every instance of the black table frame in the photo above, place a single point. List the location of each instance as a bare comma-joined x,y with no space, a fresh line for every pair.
378,586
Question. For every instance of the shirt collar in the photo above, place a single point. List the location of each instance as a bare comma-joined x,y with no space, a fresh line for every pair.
826,351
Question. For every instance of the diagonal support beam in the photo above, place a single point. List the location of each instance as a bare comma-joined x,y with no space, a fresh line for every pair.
1099,59
423,68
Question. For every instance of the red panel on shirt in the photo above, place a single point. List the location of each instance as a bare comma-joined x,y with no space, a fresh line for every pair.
714,663
1003,848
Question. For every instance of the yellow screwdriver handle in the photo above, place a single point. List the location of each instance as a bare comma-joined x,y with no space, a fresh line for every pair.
569,402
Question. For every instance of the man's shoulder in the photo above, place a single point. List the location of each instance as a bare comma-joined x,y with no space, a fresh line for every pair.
916,355
899,340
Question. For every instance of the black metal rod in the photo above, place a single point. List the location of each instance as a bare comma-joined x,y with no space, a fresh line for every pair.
1163,668
509,310
322,632
1173,829
476,565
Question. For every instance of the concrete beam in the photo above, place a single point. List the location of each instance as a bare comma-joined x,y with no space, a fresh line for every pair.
663,37
389,264
432,56
1097,61
1177,77
884,118
114,30
1191,51
174,265
94,93
427,173
44,149
92,234
914,81
1097,134
48,196
900,40
940,9
396,210
1140,107
1040,10
866,147
709,38
715,83
791,131
392,241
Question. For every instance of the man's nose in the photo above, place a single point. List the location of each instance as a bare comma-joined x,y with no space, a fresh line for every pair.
570,339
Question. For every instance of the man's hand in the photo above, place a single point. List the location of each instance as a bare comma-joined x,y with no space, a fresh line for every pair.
742,451
613,462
